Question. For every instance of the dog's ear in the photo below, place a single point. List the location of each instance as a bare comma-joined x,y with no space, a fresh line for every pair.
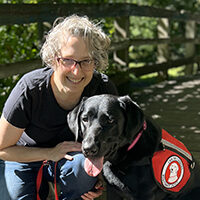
134,116
73,119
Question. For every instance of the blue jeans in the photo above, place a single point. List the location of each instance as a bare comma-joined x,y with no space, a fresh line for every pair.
18,180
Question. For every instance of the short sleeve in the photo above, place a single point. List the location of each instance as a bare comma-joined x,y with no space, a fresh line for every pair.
17,109
107,86
100,84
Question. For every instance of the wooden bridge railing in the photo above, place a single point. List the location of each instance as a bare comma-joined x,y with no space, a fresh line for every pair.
39,13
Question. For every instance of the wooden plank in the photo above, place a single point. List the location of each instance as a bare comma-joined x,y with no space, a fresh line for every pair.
28,13
19,67
147,69
190,48
115,46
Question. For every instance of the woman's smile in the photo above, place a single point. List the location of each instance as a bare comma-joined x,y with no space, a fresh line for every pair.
74,80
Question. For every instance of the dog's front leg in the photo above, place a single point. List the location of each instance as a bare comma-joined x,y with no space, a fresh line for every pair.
113,180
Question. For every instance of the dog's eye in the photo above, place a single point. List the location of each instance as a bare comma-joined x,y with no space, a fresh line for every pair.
110,120
85,119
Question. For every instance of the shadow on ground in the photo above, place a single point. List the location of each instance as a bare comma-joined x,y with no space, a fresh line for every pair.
175,105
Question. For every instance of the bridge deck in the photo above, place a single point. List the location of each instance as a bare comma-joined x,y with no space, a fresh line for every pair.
175,105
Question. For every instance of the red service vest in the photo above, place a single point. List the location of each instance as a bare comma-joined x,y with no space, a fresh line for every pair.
172,165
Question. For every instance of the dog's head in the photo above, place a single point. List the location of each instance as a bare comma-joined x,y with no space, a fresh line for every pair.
105,123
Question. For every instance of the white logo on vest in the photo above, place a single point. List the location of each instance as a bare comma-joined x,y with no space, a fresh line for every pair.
172,172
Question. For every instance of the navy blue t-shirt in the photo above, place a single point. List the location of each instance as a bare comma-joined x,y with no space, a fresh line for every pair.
32,105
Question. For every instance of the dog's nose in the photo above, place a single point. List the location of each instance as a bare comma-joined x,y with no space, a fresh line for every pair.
90,150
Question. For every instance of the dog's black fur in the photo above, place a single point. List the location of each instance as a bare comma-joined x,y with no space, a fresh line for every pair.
107,125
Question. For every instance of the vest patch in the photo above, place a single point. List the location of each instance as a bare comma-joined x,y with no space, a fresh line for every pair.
172,172
171,166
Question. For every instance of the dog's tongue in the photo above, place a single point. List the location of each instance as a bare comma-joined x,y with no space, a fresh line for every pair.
93,166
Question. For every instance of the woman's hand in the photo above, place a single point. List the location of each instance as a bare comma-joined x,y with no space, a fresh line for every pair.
92,195
60,150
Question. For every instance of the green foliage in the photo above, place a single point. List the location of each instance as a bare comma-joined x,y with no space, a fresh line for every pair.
18,42
143,27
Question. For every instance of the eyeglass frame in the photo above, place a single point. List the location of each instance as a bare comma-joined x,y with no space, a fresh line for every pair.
76,62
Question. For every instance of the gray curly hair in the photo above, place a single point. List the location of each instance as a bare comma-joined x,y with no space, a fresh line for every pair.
96,40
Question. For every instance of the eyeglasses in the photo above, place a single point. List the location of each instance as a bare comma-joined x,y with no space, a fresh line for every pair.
85,65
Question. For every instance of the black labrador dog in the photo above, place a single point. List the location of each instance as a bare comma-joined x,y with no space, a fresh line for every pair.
140,160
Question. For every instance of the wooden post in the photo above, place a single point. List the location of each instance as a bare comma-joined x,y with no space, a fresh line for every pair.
163,49
190,30
121,25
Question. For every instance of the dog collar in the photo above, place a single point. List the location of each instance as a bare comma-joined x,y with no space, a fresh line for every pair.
138,137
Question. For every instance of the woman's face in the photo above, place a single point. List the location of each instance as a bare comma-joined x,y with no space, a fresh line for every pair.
74,78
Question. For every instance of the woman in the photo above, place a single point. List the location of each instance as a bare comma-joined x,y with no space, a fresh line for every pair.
33,123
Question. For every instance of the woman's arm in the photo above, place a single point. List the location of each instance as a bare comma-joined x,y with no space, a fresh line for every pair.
9,135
